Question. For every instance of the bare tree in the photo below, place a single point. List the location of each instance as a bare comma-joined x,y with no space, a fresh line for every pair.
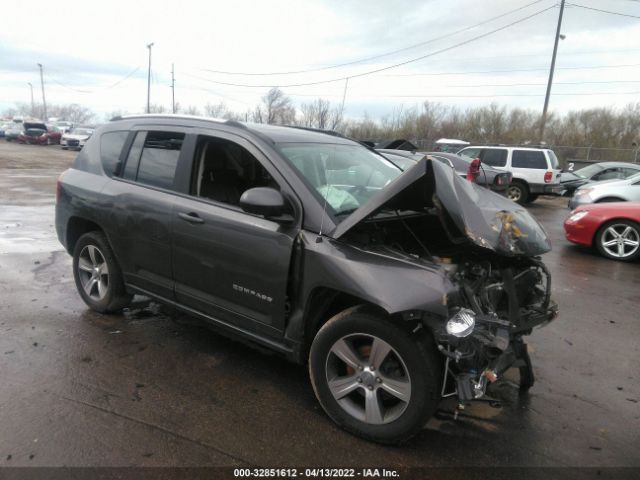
276,108
218,110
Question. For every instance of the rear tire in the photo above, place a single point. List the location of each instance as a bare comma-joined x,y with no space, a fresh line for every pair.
383,384
619,240
518,192
97,274
532,197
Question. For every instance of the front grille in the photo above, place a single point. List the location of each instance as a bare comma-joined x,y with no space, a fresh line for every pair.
73,143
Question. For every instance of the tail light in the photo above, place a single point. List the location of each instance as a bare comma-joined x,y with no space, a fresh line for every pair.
548,176
474,170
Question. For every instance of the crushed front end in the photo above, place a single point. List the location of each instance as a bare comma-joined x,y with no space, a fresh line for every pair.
498,302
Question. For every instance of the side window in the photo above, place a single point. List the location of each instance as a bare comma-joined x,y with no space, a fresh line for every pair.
610,174
470,152
158,154
529,159
628,172
496,157
111,144
223,171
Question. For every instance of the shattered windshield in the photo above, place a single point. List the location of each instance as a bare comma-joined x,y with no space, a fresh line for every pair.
345,176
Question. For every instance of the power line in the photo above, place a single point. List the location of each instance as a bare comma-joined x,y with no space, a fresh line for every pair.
389,67
603,11
479,96
123,79
353,62
510,71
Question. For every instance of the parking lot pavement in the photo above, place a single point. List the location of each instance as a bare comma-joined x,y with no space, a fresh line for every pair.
83,389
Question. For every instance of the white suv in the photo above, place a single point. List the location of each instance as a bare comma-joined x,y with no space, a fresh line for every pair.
535,171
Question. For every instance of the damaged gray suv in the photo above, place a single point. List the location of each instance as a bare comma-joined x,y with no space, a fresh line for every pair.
397,288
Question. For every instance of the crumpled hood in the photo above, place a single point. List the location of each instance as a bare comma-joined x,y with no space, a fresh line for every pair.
485,218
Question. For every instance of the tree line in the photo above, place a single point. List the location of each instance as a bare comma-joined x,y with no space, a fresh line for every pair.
602,127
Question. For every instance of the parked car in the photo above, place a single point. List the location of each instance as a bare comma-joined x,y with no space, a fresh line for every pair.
76,138
4,127
571,181
483,175
627,190
39,134
13,131
392,285
535,171
64,126
612,228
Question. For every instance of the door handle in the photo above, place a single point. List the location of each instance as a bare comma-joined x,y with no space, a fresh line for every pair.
191,217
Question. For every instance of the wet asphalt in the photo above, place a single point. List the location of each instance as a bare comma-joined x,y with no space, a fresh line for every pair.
149,389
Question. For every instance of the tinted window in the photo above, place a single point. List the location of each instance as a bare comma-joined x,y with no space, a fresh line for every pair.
224,171
111,144
496,157
529,159
133,159
159,158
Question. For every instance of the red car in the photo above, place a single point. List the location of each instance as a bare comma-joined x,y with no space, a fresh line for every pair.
39,134
613,228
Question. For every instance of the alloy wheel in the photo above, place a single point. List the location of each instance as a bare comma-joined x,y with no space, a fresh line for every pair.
514,193
368,378
620,240
93,272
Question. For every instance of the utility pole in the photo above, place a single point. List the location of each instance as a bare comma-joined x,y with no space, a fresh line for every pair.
149,80
344,96
44,102
32,104
173,90
553,66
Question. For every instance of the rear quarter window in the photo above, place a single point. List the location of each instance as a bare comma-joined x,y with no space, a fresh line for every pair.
496,157
529,159
111,144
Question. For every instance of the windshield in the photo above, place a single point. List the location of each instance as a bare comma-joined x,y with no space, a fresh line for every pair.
345,176
588,171
81,131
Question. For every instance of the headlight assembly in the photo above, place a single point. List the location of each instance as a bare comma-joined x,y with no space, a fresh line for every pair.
462,323
577,216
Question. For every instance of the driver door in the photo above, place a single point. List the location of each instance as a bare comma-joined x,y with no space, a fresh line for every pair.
229,264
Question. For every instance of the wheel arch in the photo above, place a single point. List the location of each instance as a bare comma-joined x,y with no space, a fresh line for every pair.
76,227
606,222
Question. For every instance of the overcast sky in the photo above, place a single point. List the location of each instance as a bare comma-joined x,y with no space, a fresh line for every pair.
94,53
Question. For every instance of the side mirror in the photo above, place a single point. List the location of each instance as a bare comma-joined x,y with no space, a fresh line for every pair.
264,201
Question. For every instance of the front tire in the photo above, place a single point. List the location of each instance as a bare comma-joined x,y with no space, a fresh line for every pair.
619,240
374,378
97,274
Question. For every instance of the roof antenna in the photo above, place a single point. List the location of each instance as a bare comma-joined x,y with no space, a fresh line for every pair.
324,207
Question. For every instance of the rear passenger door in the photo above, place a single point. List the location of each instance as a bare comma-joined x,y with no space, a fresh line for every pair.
143,194
529,165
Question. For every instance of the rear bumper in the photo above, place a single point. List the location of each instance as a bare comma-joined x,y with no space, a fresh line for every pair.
546,188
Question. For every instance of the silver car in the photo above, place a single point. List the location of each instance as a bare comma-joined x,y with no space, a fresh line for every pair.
627,190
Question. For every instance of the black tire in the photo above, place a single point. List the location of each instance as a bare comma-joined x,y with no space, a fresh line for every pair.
629,253
518,192
400,420
609,200
109,293
532,197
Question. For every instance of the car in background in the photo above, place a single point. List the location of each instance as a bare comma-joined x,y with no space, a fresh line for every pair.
3,127
535,171
483,175
571,181
76,138
607,191
612,228
64,126
39,134
13,131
